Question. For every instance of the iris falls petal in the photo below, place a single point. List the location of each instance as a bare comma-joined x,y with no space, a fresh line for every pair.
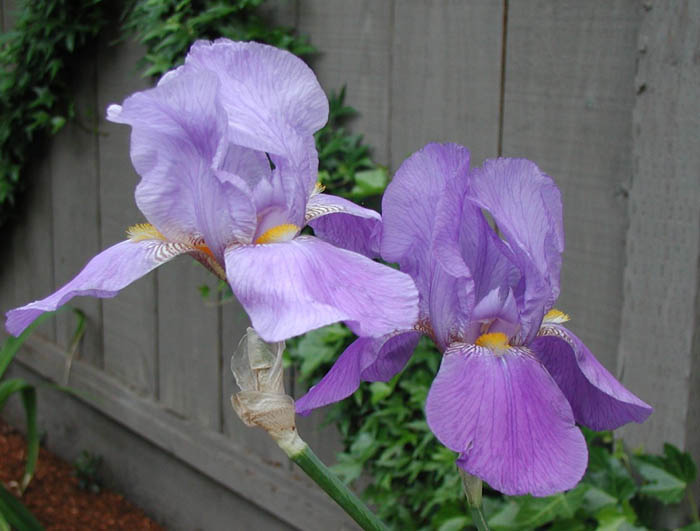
508,419
366,359
289,288
104,276
345,224
598,400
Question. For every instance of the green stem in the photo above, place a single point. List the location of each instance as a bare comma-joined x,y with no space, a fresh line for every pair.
478,519
693,506
299,452
472,490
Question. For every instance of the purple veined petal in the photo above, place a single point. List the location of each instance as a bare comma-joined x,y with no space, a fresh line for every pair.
345,224
268,93
409,208
289,288
248,164
104,276
366,359
598,400
448,301
296,176
508,419
178,129
526,206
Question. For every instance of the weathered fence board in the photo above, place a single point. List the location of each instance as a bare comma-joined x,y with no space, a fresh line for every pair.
75,207
354,40
568,106
130,320
446,76
188,344
659,344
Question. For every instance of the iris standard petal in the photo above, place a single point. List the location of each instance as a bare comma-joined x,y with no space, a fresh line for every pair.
508,419
107,273
292,287
345,224
366,359
179,128
598,400
410,204
248,164
269,94
526,206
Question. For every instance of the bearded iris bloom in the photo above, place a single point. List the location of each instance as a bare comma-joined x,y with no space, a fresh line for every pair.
225,150
513,380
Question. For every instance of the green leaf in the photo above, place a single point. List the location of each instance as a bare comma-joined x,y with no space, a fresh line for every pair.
16,514
13,344
456,523
369,183
661,485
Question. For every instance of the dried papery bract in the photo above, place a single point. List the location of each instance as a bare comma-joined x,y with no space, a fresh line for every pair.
262,401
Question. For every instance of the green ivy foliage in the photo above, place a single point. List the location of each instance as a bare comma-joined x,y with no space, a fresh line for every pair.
167,28
412,480
35,72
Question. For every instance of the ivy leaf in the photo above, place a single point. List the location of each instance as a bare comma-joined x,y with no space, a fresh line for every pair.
606,472
661,485
369,183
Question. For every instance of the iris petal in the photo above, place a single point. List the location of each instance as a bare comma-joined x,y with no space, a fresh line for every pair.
366,359
508,419
292,287
104,276
598,400
409,208
345,224
526,206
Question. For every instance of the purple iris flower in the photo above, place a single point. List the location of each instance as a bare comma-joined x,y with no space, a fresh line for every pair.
225,149
513,380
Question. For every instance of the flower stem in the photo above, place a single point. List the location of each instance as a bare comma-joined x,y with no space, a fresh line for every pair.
299,452
472,490
478,519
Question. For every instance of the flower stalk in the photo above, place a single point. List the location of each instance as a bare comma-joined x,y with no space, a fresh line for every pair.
473,491
261,401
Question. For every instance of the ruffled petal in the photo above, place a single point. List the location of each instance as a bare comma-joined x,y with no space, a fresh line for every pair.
409,207
248,164
107,273
345,224
270,96
508,419
598,400
292,287
179,128
366,359
526,206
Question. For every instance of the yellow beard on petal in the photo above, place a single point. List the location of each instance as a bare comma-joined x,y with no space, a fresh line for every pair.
280,233
495,341
555,316
143,231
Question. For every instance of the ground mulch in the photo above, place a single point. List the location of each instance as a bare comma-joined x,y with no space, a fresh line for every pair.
53,495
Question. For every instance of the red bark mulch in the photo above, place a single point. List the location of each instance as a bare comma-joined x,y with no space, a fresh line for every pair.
53,495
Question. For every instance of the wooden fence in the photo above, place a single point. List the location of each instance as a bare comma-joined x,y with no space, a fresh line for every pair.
602,94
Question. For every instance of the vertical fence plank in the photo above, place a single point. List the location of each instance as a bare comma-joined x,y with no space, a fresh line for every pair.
354,43
32,247
446,76
130,319
568,106
188,344
76,231
660,340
